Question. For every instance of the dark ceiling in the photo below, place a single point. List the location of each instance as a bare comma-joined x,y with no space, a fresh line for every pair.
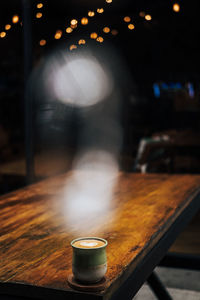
166,47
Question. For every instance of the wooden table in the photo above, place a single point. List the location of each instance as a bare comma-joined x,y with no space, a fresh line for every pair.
148,212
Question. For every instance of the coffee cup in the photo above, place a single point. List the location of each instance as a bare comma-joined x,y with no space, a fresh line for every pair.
89,261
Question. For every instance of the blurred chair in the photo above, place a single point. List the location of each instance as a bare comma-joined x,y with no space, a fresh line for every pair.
155,154
170,151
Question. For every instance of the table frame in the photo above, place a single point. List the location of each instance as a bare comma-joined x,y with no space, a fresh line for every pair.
130,286
144,270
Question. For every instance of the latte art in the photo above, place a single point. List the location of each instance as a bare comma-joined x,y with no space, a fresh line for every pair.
88,243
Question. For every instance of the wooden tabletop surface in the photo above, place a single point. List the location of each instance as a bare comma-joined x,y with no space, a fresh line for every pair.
35,238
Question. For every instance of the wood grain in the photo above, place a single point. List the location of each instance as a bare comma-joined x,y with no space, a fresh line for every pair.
35,237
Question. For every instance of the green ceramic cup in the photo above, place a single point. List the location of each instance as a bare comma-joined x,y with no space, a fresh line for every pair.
89,264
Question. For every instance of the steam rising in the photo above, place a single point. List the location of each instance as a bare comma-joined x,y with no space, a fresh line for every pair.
88,195
67,84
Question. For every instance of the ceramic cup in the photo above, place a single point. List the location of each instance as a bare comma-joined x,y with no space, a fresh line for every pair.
89,261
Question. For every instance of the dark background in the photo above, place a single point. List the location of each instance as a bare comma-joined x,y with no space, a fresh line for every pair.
164,50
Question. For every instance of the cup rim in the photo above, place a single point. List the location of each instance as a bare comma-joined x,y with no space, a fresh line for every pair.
89,238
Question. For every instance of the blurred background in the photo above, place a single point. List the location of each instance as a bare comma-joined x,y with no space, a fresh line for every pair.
152,53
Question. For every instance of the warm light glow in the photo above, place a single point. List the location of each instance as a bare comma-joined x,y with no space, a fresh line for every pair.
84,21
2,34
148,17
81,42
100,39
142,14
127,19
91,13
73,26
39,5
7,27
74,22
93,35
58,34
131,26
114,32
15,19
43,42
106,29
100,10
109,1
69,29
176,7
72,47
39,15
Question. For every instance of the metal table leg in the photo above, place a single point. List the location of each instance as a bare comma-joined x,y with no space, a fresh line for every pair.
158,288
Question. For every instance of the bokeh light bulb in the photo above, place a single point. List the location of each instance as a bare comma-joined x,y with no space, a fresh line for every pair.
74,22
131,26
81,42
106,29
93,35
58,34
69,29
100,10
72,47
15,19
39,5
91,13
142,14
127,19
100,39
84,21
148,17
39,15
42,42
2,34
176,7
7,27
114,31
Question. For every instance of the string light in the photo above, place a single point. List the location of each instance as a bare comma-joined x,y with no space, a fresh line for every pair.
7,27
58,34
131,26
142,14
72,47
39,5
100,10
93,35
148,17
69,29
176,7
39,15
42,42
91,13
74,22
127,19
73,26
106,29
81,42
99,39
84,21
2,34
114,31
15,19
